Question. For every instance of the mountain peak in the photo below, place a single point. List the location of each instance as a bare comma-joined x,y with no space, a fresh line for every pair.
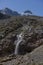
8,11
6,8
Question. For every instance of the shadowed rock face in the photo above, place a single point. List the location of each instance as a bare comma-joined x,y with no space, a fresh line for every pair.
7,45
28,44
32,28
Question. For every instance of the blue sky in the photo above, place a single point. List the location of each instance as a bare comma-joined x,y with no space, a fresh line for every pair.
36,6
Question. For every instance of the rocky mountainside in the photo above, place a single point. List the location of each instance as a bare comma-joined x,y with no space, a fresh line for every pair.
33,58
3,16
9,12
22,34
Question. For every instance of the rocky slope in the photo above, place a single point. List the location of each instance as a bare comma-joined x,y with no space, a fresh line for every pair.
33,58
32,29
3,16
7,11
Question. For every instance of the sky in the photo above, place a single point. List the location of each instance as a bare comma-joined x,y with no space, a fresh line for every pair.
36,6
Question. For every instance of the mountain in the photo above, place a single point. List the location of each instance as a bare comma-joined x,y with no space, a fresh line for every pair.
9,12
3,16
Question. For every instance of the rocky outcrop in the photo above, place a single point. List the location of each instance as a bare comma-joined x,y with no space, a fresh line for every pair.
30,42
